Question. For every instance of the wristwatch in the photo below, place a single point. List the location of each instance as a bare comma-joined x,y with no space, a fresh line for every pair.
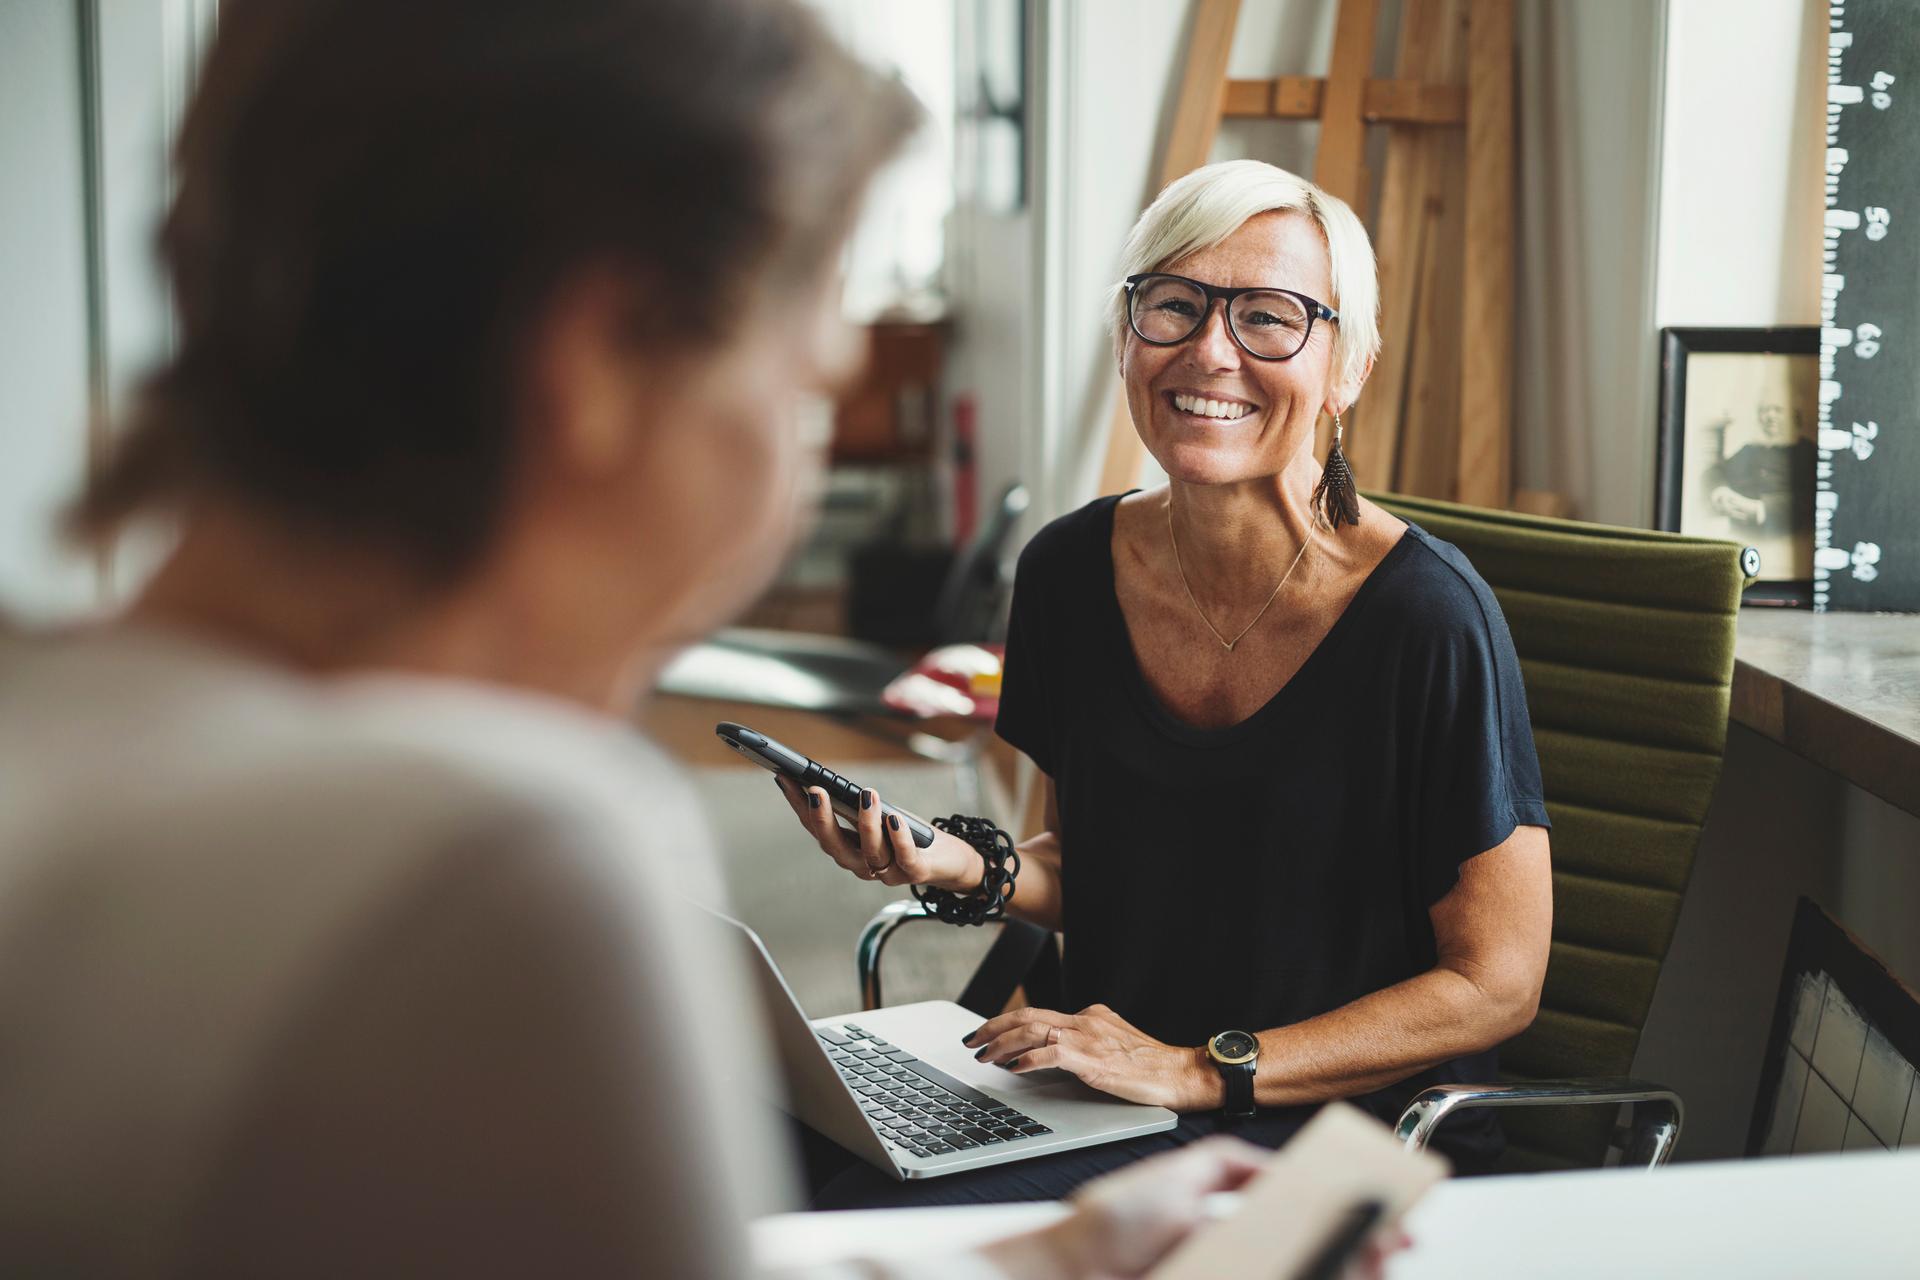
1234,1055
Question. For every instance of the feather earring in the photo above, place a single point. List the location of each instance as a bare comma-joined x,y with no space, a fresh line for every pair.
1335,495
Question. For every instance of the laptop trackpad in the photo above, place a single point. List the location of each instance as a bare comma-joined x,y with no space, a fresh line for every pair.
1050,1083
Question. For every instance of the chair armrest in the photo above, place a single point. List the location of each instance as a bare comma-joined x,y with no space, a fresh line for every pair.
1654,1131
1022,954
874,937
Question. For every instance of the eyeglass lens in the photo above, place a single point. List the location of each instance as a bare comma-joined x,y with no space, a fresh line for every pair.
1268,323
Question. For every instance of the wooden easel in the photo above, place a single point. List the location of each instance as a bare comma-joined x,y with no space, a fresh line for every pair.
1436,416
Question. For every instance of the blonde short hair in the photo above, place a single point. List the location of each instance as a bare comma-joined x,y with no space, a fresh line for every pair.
1208,205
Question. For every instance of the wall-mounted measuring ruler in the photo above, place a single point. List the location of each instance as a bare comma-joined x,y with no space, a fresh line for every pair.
1866,527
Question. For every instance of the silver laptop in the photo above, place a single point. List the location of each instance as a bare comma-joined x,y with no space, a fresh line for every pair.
898,1089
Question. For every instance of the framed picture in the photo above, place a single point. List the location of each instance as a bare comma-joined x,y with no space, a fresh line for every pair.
1739,409
1839,1072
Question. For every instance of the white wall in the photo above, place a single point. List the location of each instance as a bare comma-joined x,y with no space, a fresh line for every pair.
43,306
1741,169
992,353
146,53
142,91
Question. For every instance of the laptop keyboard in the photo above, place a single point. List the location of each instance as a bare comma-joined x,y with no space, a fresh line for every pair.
919,1108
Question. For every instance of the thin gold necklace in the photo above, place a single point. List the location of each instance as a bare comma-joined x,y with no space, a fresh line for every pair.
1228,644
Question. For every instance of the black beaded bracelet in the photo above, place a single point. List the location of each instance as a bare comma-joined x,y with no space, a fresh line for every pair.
989,900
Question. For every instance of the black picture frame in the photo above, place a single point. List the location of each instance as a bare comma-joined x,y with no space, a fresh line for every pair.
1819,944
1671,505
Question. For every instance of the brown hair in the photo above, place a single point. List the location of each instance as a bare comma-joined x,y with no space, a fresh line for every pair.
376,199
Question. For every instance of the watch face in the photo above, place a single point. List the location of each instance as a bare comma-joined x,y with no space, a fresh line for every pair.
1234,1046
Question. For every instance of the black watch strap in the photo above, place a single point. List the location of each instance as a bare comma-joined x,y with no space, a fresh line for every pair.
1238,1077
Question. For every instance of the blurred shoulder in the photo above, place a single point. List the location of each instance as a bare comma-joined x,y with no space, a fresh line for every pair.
587,794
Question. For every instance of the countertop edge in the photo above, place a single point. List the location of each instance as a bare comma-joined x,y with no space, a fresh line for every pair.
1864,752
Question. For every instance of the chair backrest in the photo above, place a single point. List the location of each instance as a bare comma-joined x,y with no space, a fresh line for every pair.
1625,640
971,598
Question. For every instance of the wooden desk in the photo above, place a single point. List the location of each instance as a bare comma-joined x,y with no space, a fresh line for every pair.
1839,689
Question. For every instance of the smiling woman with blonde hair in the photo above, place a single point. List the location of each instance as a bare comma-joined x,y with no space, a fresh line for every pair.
1295,840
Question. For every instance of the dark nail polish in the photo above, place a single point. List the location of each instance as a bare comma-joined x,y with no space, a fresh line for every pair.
978,1056
1011,1063
967,1039
813,800
893,822
866,799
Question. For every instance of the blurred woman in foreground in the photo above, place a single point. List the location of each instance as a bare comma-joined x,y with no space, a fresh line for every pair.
338,934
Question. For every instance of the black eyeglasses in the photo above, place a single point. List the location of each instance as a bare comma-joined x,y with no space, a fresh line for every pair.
1269,324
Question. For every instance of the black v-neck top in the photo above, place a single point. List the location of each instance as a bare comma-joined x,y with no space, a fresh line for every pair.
1253,876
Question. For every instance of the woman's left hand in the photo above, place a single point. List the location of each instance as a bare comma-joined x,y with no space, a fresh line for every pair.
1104,1050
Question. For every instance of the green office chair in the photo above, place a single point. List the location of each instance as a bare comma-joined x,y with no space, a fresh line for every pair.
1625,640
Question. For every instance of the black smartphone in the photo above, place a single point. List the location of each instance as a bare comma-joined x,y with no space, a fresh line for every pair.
842,793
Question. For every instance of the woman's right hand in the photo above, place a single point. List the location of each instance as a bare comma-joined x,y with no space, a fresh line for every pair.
883,851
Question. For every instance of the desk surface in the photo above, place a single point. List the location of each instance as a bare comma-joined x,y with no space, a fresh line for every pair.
1840,1215
1840,689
